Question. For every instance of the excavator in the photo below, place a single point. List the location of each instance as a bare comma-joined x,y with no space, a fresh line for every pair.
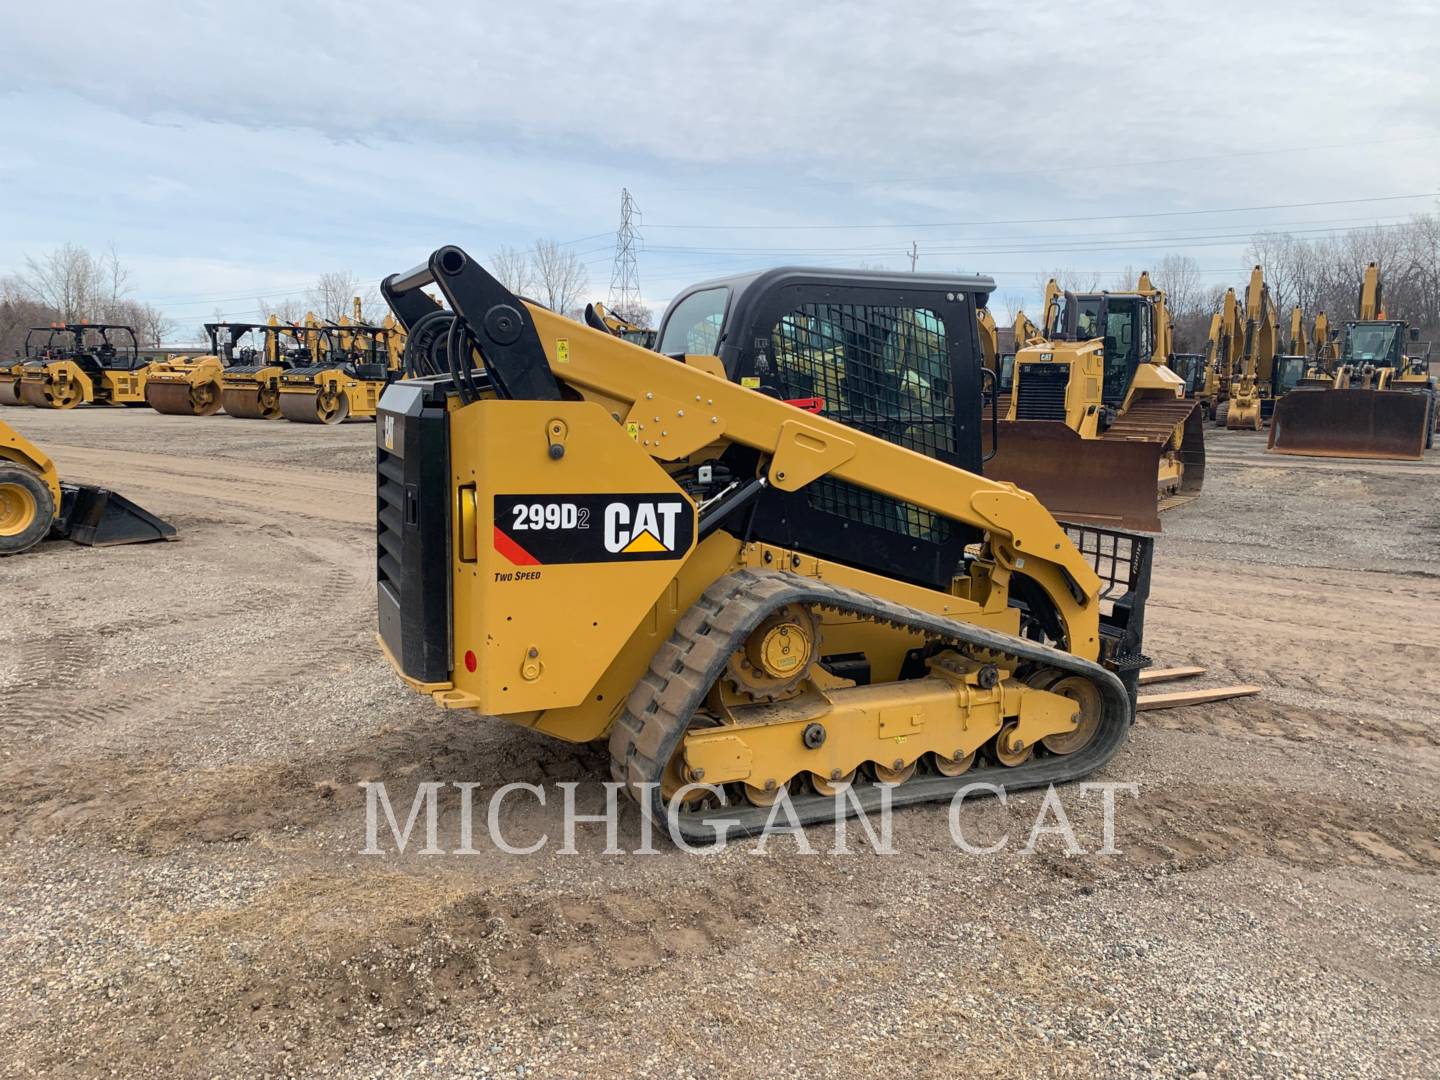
759,606
35,504
1251,387
88,364
255,355
1320,372
1381,398
1223,347
352,362
602,318
1098,425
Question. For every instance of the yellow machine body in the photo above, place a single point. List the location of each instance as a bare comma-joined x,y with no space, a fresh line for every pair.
1091,449
185,385
329,391
578,561
1255,373
10,380
1367,398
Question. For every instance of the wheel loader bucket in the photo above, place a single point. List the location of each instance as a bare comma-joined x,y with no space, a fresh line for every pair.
1351,423
1108,482
97,517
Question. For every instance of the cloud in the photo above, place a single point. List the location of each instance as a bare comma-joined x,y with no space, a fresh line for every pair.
308,136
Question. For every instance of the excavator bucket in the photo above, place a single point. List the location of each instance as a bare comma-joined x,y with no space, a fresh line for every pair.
1107,482
98,517
1387,424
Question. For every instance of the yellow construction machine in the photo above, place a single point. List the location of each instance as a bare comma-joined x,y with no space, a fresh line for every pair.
1223,347
41,345
601,318
1098,425
1380,400
183,385
748,600
352,362
86,364
35,503
1251,389
255,355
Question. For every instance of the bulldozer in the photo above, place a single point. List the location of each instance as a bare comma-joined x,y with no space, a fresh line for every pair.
87,364
1380,401
602,318
755,604
351,363
255,355
1098,426
35,504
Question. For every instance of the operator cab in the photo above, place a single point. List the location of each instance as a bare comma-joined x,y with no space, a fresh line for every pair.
1122,322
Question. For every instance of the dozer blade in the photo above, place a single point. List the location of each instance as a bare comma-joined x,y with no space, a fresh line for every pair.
250,404
1110,482
183,399
1388,424
98,517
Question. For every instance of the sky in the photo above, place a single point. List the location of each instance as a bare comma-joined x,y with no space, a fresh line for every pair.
233,153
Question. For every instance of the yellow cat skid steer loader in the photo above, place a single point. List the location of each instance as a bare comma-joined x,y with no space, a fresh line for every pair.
1381,400
355,361
747,599
91,364
1099,427
35,503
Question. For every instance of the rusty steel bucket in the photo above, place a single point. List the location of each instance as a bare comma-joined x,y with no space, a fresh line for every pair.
1388,424
1107,482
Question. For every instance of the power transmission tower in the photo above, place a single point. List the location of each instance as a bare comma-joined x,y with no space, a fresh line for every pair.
624,296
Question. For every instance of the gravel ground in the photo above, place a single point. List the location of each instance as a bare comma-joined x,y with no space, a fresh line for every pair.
183,728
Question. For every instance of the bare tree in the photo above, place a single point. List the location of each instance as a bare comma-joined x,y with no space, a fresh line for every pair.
636,314
1069,280
513,269
561,278
334,293
289,310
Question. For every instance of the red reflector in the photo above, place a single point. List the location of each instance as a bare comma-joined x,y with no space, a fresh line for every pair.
807,404
469,660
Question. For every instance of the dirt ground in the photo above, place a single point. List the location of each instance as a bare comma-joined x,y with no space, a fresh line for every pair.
183,728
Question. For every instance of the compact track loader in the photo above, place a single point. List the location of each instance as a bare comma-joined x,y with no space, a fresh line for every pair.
35,503
668,550
255,355
1380,400
353,363
1098,425
89,364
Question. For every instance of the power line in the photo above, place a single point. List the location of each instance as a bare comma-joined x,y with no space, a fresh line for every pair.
1064,220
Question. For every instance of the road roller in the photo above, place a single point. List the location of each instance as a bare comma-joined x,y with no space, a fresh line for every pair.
187,385
254,355
356,361
88,364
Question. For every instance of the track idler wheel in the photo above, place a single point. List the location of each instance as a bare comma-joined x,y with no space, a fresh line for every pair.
1089,709
251,404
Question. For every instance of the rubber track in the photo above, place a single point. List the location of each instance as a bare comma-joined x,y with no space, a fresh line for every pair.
658,711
